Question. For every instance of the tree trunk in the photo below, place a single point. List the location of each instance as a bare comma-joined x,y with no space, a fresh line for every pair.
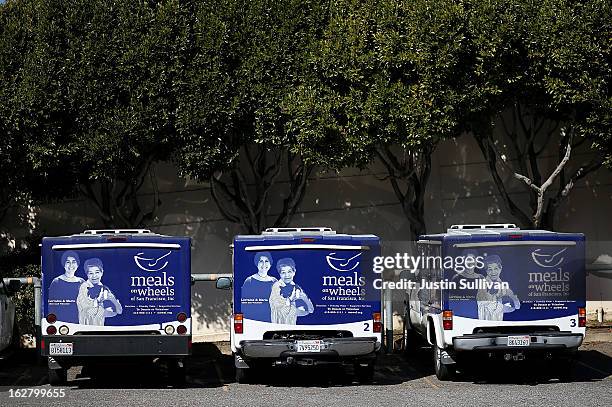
409,178
244,198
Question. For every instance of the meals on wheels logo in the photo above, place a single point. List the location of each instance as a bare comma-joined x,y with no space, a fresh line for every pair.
151,263
339,262
547,260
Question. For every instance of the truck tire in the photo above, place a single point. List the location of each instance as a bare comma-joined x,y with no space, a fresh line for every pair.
365,374
177,373
57,377
243,375
564,367
443,372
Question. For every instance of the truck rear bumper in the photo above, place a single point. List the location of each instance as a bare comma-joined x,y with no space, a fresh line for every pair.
330,348
498,342
120,345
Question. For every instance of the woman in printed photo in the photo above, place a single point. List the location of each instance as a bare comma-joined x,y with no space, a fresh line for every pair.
288,301
96,302
256,289
64,290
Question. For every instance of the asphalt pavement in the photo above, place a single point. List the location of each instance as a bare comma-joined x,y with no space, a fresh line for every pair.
400,380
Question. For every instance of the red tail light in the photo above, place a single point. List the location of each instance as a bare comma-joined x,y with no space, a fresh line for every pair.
51,330
181,317
376,325
238,328
447,320
181,329
42,344
582,317
51,318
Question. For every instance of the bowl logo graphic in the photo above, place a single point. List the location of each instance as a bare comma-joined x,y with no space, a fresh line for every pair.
547,260
341,263
151,263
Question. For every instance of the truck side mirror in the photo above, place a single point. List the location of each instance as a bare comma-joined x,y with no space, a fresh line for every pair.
224,283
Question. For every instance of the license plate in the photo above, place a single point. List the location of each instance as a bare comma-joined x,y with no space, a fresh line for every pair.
519,340
57,349
309,346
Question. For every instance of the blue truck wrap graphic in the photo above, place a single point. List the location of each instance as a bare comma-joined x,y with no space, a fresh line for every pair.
137,281
542,279
327,281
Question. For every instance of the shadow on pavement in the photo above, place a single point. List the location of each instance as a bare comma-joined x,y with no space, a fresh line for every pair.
589,365
209,368
390,369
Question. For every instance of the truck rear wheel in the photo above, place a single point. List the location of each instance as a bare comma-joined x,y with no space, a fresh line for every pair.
243,375
443,372
177,372
57,377
365,374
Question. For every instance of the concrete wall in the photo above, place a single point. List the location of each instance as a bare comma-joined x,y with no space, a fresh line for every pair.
461,190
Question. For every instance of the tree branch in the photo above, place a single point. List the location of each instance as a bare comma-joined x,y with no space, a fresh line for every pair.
490,156
541,190
225,212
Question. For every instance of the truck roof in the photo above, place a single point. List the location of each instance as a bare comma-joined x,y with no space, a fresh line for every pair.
321,233
498,232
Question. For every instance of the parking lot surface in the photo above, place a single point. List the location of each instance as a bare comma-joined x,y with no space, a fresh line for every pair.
400,379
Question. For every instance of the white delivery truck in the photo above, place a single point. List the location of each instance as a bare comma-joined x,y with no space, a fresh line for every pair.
110,295
304,296
500,291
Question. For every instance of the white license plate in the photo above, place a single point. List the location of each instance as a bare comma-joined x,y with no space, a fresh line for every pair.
57,349
309,346
519,340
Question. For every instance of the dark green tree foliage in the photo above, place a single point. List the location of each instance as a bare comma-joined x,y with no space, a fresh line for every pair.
247,56
11,154
18,180
388,80
97,97
549,63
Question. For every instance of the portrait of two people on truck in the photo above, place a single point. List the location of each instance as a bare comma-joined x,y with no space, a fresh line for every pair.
75,300
493,303
474,299
268,299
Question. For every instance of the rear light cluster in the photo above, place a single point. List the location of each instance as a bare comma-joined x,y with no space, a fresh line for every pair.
52,330
64,330
447,320
376,322
582,317
238,328
181,329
